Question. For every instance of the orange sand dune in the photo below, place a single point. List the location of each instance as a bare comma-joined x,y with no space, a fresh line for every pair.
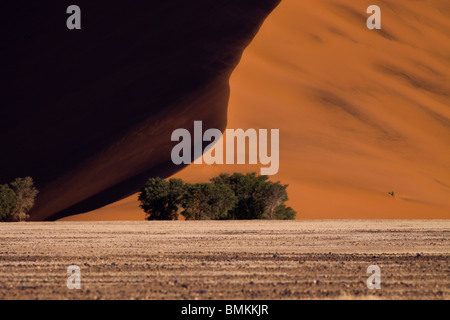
360,112
91,125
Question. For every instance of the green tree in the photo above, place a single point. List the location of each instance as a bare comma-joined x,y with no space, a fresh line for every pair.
206,201
26,195
284,213
257,198
7,202
161,199
249,190
235,196
222,201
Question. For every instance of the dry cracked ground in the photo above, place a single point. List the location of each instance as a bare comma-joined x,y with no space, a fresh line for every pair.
226,259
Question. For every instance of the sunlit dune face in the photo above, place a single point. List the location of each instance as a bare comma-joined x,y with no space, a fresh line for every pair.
361,112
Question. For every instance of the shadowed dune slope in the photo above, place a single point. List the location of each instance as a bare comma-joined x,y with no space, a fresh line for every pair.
361,113
89,113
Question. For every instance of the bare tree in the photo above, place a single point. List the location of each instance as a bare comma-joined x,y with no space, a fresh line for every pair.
275,195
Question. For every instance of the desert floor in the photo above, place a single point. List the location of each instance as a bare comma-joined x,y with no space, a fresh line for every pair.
226,260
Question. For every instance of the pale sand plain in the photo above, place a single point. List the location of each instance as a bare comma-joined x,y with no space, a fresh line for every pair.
226,260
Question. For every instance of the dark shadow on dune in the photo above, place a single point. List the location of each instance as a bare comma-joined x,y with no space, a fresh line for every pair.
413,79
362,18
89,113
337,103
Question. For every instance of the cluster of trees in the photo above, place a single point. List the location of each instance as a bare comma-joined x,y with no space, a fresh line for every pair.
17,199
226,197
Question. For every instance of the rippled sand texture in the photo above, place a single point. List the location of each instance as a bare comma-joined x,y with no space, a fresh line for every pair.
226,260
